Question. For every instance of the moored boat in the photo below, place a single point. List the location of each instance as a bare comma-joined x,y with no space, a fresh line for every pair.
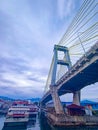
17,115
20,113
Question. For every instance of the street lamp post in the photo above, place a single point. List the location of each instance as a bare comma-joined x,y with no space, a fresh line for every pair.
81,43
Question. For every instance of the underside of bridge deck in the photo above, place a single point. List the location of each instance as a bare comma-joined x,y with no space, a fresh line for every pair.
84,78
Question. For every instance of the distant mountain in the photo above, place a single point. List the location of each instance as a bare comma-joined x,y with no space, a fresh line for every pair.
94,99
6,98
11,99
34,99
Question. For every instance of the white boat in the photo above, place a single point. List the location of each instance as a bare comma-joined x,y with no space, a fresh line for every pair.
17,115
20,113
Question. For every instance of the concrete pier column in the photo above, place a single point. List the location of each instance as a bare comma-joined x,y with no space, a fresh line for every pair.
76,97
56,100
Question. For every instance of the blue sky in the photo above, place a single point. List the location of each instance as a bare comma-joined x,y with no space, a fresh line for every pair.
28,31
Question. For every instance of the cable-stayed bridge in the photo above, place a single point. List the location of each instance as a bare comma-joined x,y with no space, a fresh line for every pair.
75,61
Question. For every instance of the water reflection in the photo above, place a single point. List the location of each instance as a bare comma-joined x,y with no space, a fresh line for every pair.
75,128
2,118
30,124
13,128
41,123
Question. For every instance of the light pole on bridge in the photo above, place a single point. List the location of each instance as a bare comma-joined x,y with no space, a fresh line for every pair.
81,42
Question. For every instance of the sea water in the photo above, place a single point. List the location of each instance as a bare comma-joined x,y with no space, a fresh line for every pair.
41,123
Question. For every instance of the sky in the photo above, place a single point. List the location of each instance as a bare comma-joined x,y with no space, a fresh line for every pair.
28,31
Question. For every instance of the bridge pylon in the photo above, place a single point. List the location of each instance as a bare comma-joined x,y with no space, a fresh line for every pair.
66,62
56,100
54,92
76,97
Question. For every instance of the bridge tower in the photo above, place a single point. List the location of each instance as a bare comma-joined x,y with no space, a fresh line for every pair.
66,62
54,92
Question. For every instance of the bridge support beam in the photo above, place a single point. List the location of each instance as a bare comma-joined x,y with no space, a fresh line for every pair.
56,100
76,97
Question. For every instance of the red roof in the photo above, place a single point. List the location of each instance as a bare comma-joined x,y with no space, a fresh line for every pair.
20,102
74,106
1,100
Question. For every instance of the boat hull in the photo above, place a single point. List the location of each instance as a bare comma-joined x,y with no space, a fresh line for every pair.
16,122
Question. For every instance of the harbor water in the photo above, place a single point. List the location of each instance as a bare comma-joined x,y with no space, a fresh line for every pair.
41,123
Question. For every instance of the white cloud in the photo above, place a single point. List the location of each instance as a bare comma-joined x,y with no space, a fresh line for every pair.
65,8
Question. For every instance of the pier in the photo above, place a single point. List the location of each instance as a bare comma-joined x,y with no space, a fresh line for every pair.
65,120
